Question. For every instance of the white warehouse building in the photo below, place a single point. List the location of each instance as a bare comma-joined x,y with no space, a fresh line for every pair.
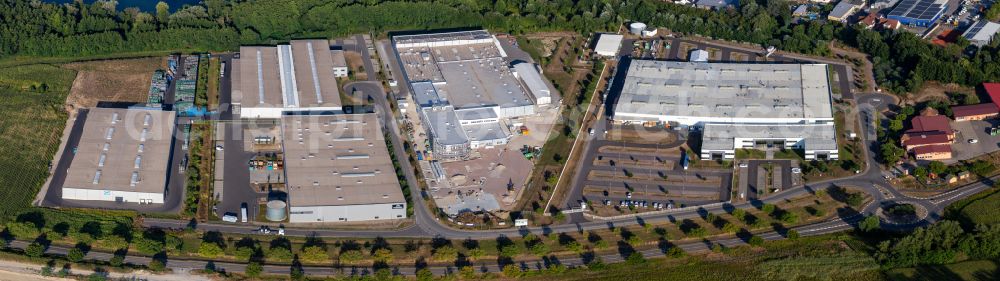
692,93
123,156
338,169
298,77
816,140
533,81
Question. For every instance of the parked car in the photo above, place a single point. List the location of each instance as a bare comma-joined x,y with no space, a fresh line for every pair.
973,141
229,217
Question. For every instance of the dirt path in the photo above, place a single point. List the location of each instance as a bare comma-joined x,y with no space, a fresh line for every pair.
867,70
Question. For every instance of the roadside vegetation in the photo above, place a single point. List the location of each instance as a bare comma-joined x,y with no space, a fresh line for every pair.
198,188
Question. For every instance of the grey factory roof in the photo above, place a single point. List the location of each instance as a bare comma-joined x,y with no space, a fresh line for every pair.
478,83
425,94
722,136
485,131
476,113
726,90
298,75
982,32
533,80
336,160
444,125
444,36
123,150
842,9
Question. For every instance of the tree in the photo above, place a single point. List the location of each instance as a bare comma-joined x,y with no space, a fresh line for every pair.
35,250
768,208
756,241
382,255
739,214
425,275
792,234
350,256
314,254
75,254
445,254
162,12
540,249
209,250
156,265
869,224
253,270
279,253
635,258
891,153
117,260
937,167
512,271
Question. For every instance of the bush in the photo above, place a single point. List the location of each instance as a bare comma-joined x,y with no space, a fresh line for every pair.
117,260
75,255
739,214
210,250
476,253
756,241
512,271
870,224
23,230
314,254
792,234
244,253
635,258
676,252
424,275
253,270
279,254
350,256
445,254
156,265
382,255
540,249
768,208
34,250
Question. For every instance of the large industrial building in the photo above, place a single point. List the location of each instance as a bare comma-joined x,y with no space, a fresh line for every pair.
467,90
338,169
690,93
816,140
297,77
123,156
739,106
918,12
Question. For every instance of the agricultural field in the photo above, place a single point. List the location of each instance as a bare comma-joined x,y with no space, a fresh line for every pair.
813,258
32,119
125,80
981,208
967,270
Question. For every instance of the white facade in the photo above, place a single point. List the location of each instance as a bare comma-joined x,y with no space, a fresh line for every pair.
608,44
112,195
529,74
815,140
345,213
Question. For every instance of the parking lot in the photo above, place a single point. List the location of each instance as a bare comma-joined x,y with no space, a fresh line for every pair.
624,171
979,131
759,178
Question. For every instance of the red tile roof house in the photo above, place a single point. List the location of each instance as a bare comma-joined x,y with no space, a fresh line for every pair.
975,112
929,130
932,152
993,90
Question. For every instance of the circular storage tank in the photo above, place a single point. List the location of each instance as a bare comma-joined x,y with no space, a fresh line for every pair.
276,210
636,28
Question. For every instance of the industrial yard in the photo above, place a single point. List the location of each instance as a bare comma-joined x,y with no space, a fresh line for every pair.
478,117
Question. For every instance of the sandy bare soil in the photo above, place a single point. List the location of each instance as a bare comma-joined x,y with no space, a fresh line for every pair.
112,80
934,90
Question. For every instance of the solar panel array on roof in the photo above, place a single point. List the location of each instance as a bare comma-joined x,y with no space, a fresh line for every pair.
917,9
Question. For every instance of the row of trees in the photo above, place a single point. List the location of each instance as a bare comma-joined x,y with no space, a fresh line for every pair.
941,243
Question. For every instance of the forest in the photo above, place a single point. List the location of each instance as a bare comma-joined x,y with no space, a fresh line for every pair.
36,29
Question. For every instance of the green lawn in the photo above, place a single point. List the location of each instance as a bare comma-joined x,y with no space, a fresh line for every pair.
32,119
968,270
